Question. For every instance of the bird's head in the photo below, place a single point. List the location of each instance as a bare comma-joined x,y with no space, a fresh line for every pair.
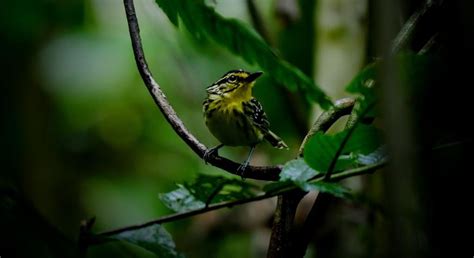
236,85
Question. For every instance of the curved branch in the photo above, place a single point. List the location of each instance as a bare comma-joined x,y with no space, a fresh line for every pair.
341,108
262,173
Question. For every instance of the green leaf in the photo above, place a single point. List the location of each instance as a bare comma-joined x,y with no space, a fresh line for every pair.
330,188
170,8
364,84
321,148
224,189
297,171
379,155
364,81
203,22
206,189
117,249
181,200
153,238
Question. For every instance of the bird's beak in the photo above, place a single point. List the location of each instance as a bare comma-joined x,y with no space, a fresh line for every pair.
252,77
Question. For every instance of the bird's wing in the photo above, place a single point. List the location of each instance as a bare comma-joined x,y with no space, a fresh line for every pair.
254,110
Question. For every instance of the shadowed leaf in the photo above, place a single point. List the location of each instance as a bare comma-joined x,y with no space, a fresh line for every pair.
154,239
321,148
206,189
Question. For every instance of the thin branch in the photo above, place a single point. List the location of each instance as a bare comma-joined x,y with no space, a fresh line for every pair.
341,108
269,173
428,45
177,216
408,28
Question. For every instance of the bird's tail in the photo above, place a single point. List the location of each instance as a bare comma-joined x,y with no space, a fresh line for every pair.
275,141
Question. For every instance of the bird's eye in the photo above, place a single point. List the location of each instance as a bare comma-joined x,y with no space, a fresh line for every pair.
232,78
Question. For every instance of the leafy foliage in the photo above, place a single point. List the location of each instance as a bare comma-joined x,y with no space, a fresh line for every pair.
181,200
297,172
364,84
154,239
206,189
321,148
203,22
364,81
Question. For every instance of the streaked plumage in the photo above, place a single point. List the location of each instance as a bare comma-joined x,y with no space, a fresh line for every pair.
234,116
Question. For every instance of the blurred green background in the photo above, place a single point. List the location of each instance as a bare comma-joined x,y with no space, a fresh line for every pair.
83,138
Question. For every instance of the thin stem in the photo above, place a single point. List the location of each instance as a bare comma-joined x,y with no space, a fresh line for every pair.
408,28
341,108
177,216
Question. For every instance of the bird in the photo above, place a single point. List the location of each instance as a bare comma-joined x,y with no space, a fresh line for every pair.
235,117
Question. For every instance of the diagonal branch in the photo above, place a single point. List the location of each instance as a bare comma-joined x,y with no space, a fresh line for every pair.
177,216
262,173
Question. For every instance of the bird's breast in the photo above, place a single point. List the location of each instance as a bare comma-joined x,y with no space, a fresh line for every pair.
230,125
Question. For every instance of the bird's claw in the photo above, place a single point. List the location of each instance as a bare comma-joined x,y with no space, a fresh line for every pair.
208,153
241,170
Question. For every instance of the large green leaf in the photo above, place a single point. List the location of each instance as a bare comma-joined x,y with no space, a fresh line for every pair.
153,238
206,189
181,200
297,171
320,150
203,22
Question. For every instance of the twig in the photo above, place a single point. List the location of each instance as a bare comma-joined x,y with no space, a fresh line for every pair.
409,27
428,45
269,173
177,216
341,108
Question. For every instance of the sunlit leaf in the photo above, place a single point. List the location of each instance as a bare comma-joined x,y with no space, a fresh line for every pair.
153,238
203,22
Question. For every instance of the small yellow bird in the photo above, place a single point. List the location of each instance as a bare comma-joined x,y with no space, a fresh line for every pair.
235,117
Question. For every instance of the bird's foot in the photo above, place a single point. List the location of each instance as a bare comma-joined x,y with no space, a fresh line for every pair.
241,170
210,152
